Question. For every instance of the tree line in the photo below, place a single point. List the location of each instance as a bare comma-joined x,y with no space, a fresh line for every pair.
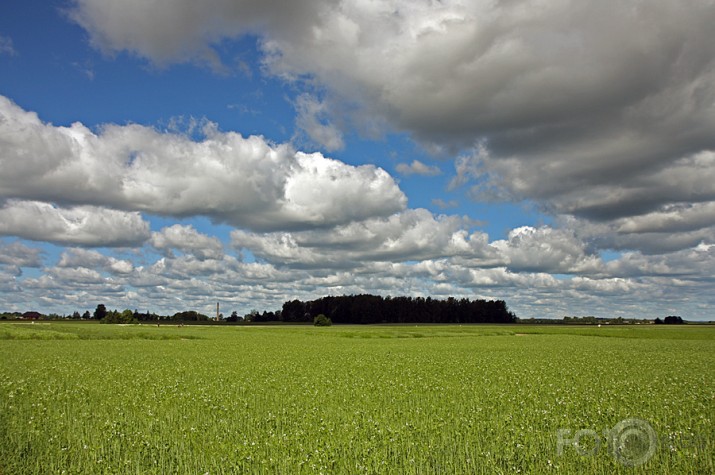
367,309
127,316
350,309
670,320
355,309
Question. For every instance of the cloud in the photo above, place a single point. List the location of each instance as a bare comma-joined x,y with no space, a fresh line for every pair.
441,265
672,228
79,276
410,235
545,249
89,259
312,118
529,77
246,182
77,225
687,179
676,228
17,255
588,109
655,242
442,204
7,46
660,210
675,218
417,168
187,240
183,30
599,113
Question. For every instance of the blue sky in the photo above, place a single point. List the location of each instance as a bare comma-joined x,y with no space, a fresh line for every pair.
165,156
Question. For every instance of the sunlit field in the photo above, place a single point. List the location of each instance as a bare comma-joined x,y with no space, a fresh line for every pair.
86,398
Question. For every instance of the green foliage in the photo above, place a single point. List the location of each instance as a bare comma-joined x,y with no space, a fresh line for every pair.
350,399
126,317
370,309
322,321
91,331
189,316
100,312
10,315
27,331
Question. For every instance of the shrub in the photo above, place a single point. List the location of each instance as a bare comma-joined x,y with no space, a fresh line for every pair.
322,321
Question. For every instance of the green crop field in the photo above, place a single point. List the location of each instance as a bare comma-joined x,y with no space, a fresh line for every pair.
91,399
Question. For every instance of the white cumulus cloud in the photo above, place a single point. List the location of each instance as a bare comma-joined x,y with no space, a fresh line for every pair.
246,182
187,240
417,168
77,225
584,107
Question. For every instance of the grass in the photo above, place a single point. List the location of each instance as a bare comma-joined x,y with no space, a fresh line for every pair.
90,331
79,398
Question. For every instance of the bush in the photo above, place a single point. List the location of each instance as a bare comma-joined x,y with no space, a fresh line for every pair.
322,321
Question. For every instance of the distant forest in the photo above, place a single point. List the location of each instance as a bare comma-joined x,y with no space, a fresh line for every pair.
356,309
365,309
359,309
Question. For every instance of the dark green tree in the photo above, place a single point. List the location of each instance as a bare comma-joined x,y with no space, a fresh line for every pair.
127,316
100,312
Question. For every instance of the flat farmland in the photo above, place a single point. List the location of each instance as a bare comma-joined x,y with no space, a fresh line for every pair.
88,398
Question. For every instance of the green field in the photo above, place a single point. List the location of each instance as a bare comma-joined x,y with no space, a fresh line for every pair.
84,398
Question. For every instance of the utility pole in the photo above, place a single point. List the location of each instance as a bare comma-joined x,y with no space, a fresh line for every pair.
217,314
